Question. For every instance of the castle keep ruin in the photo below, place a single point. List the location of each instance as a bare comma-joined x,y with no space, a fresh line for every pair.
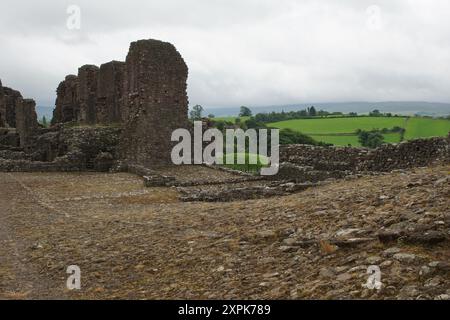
155,101
144,99
146,95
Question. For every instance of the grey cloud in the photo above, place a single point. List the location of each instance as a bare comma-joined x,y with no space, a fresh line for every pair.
254,52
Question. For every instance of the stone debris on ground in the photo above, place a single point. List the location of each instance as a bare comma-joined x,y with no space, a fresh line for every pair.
133,242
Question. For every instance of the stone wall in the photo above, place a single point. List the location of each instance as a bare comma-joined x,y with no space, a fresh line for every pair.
87,94
415,153
18,119
67,107
146,95
11,98
110,92
65,149
26,121
2,107
156,101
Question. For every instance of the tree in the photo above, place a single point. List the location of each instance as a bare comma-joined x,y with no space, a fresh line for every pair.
375,113
370,139
211,116
44,121
245,112
196,112
312,111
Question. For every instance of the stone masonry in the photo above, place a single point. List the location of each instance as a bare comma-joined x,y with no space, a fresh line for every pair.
109,92
18,119
87,93
26,121
11,98
67,107
2,107
146,96
156,101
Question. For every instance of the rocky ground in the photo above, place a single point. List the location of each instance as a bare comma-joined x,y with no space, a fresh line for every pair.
144,243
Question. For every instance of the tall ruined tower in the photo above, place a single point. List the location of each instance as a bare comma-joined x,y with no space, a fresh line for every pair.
155,102
110,92
87,94
26,120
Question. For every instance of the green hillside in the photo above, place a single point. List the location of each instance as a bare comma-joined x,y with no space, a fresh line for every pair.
341,131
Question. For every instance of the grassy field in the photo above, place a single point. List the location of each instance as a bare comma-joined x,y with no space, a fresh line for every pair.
340,125
341,131
424,127
344,140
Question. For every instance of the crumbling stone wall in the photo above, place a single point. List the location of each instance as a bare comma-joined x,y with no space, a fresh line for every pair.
87,93
18,119
110,92
2,107
63,148
67,107
11,98
26,121
415,153
155,102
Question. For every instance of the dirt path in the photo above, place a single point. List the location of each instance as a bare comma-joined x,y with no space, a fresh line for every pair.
19,277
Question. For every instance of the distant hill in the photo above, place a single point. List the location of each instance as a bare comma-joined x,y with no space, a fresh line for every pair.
400,107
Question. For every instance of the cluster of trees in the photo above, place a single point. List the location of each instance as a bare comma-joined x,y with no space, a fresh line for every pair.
282,116
370,139
197,112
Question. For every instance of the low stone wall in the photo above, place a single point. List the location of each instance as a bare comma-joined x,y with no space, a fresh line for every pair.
415,153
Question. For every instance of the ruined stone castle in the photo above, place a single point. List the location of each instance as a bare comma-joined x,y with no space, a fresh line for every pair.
145,97
121,115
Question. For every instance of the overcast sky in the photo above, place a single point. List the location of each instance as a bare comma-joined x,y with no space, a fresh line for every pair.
242,52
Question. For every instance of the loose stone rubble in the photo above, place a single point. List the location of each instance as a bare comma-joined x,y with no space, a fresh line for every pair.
133,242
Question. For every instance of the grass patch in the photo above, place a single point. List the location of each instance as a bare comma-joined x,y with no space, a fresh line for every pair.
249,165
